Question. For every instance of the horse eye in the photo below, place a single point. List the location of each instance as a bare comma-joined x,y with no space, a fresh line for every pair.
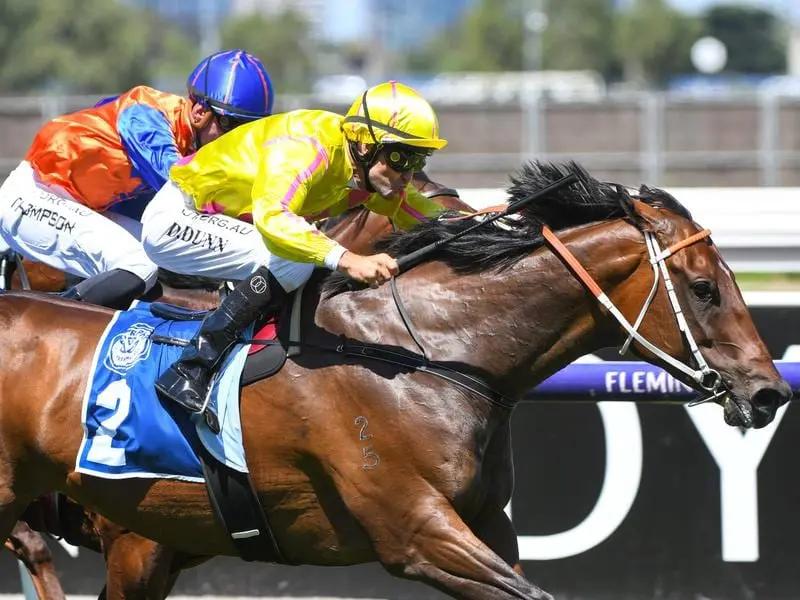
704,290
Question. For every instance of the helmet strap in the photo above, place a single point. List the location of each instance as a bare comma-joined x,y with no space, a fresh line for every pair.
368,119
365,161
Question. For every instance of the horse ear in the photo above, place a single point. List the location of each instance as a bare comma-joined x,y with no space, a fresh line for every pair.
647,217
631,206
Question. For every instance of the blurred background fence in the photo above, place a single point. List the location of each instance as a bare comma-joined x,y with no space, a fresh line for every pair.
653,137
668,92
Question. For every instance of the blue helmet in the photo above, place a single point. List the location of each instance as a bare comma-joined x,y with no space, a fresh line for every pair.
232,83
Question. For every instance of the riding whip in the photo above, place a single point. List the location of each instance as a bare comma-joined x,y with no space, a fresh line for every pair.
410,260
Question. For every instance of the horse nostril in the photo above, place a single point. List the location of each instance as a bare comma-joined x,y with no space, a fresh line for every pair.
784,392
772,397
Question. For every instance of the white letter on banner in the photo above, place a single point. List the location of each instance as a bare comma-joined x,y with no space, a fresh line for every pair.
623,473
737,457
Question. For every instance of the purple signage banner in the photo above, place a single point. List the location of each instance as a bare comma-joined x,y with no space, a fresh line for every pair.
629,381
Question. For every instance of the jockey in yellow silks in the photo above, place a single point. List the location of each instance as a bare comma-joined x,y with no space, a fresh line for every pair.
243,208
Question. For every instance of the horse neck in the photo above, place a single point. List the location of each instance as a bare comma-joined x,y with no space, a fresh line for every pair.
574,323
517,327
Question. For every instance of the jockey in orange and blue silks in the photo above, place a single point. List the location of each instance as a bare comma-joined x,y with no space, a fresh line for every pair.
67,204
243,208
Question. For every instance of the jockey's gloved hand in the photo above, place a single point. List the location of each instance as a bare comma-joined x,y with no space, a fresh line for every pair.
373,270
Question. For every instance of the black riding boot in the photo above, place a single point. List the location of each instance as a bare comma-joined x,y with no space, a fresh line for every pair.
115,289
187,380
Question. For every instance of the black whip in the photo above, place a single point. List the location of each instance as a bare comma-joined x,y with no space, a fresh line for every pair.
413,259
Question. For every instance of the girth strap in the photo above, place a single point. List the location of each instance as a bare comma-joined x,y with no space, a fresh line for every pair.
237,508
417,362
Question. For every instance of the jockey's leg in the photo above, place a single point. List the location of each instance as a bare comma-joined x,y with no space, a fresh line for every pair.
186,382
116,289
46,224
180,239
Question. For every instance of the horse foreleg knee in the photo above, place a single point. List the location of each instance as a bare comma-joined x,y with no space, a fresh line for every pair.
30,548
9,513
30,545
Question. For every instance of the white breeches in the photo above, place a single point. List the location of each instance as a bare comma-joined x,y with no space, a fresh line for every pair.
46,224
179,238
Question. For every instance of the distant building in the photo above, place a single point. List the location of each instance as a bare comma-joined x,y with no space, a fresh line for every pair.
401,24
313,10
186,12
199,19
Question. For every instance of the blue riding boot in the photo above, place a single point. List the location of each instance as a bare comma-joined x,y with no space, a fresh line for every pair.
187,380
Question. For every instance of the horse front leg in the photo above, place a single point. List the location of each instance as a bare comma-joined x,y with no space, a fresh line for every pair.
30,548
436,547
494,528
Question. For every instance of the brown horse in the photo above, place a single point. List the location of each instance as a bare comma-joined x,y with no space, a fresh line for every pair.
136,564
359,451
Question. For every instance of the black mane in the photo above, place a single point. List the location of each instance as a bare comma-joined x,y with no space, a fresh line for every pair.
502,244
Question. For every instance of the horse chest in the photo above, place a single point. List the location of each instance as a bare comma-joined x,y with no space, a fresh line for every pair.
473,490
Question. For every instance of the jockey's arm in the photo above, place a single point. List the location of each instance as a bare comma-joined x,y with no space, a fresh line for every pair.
148,141
410,209
288,169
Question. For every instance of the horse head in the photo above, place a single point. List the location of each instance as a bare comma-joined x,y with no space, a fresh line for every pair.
698,316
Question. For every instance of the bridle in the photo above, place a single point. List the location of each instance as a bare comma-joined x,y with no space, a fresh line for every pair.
705,378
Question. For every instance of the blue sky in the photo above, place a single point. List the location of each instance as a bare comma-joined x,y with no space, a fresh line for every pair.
348,19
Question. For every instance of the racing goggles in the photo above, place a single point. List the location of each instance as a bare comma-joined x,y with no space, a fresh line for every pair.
227,123
405,159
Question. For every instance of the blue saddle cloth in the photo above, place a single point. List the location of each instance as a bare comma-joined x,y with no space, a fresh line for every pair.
127,430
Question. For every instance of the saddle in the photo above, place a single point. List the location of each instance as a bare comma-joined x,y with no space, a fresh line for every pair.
230,492
275,339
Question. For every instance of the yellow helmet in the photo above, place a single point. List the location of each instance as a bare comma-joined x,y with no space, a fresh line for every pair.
393,113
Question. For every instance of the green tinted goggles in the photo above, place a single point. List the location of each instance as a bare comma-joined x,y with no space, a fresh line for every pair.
404,159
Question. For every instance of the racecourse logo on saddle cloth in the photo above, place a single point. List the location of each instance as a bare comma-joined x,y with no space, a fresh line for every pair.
128,431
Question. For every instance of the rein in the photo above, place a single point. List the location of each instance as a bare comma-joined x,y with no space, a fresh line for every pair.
420,362
401,358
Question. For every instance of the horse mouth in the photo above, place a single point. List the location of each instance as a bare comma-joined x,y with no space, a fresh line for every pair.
755,413
738,413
